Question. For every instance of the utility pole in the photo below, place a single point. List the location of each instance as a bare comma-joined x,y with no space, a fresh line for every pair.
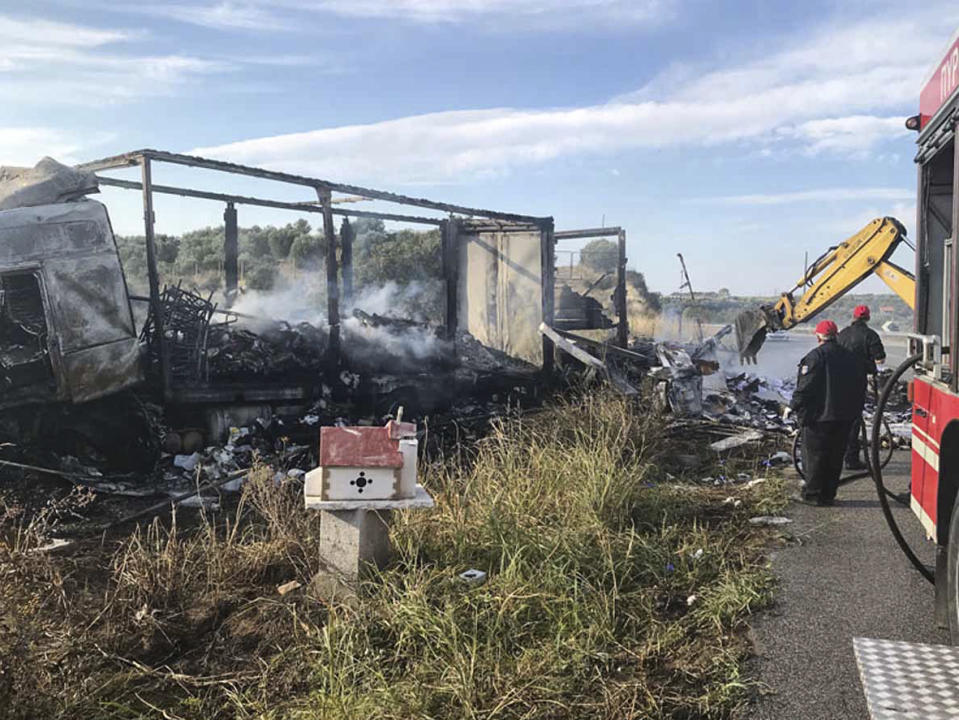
692,295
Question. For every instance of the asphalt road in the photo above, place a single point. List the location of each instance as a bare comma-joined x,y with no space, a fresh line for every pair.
842,576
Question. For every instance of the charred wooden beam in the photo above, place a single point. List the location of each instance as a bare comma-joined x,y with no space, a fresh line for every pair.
347,236
332,284
156,307
231,253
450,254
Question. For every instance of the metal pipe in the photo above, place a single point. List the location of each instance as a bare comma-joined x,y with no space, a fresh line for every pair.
259,202
587,233
127,159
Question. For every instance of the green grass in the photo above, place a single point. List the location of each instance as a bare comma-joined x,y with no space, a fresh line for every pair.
611,593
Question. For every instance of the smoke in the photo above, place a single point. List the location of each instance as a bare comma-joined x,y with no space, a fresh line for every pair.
406,342
417,301
403,302
295,304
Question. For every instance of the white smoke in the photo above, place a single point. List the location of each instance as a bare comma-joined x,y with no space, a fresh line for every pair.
298,304
406,302
293,304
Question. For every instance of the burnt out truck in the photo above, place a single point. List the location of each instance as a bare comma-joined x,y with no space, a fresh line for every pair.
83,362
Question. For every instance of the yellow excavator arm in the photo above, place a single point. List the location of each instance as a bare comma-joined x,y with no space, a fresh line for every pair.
830,277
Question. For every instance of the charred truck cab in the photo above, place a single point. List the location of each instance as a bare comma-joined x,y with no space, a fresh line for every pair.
66,326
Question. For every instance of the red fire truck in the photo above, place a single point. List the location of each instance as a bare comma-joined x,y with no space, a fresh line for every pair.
935,387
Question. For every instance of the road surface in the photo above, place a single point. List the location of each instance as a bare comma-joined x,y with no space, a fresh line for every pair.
843,576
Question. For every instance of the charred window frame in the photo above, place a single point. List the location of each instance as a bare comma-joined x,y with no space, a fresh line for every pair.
25,347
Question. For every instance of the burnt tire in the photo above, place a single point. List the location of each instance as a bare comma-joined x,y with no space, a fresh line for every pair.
952,574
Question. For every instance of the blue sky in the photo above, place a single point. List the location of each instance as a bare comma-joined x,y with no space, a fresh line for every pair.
741,134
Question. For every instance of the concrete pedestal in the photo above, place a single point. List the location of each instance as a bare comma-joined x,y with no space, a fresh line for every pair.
355,534
352,541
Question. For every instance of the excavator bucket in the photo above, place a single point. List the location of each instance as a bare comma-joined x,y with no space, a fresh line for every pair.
751,329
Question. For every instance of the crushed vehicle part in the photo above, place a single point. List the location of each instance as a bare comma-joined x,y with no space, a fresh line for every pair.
47,183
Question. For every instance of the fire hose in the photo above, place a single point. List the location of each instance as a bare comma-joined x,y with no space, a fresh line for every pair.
876,468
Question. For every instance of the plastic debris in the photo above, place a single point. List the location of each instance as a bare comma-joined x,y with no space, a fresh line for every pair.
473,576
187,462
289,587
769,520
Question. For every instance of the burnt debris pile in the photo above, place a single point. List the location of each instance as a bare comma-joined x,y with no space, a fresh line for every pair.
278,350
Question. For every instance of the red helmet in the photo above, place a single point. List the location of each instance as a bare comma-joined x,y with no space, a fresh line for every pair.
827,328
861,312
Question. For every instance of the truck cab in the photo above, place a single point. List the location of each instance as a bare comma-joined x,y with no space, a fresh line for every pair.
67,332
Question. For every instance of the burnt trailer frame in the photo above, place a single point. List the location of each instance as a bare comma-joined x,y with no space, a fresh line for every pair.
327,198
622,321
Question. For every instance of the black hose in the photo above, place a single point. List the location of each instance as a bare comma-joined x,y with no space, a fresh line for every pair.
877,470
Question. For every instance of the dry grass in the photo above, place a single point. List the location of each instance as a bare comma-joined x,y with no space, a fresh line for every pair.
610,595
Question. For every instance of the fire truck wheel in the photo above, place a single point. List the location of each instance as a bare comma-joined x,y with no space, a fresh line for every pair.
952,574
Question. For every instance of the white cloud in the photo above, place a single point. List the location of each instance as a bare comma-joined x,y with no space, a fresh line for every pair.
819,195
853,134
544,13
495,15
47,33
220,16
18,145
53,63
833,91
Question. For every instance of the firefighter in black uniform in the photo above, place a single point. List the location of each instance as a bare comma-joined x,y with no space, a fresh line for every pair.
830,391
865,343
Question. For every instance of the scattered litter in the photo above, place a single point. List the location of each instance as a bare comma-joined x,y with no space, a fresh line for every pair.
736,441
769,520
691,599
288,587
754,483
187,462
54,544
234,485
735,502
198,501
473,576
779,458
698,554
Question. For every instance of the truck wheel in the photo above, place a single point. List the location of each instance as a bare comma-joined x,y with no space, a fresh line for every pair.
952,574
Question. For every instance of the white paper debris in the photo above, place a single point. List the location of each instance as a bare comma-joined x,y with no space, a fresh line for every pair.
473,576
770,520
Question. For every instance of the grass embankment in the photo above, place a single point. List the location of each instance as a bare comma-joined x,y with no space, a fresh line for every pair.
611,594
